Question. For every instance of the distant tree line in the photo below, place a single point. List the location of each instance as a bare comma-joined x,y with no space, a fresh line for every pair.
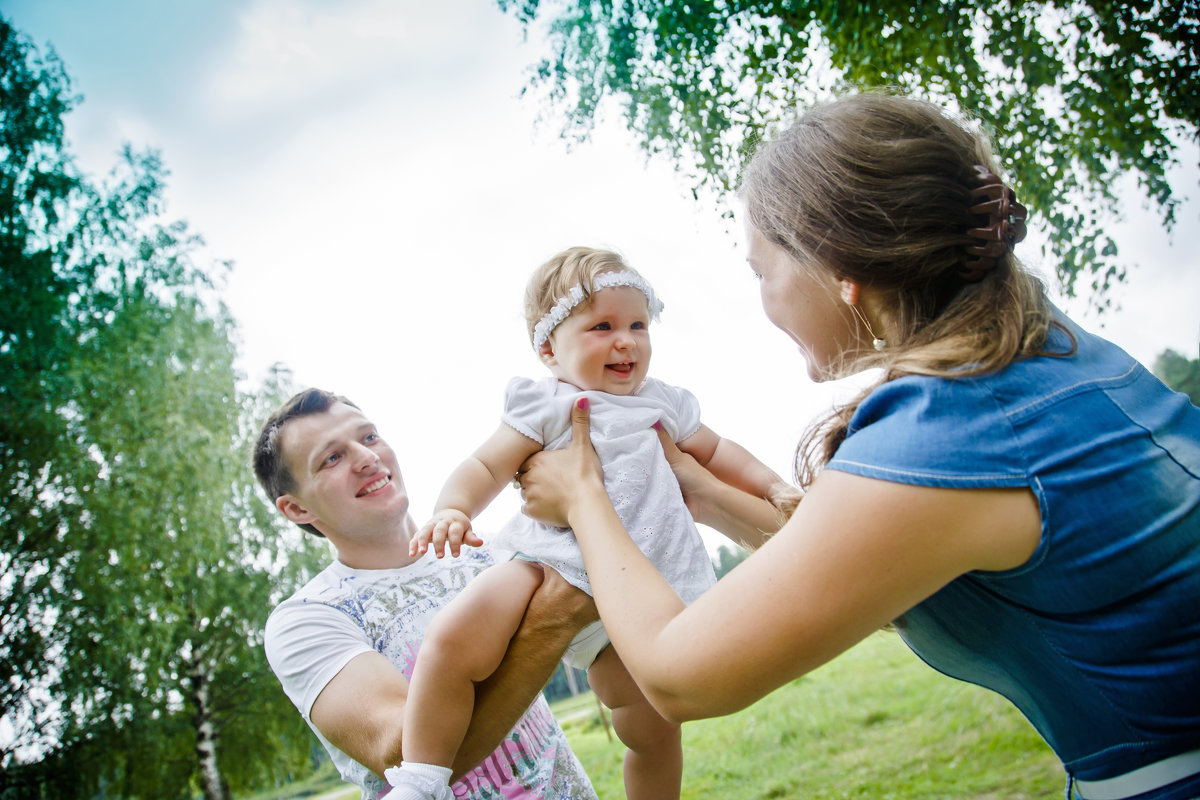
1180,373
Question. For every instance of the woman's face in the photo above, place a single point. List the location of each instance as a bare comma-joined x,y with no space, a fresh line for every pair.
806,307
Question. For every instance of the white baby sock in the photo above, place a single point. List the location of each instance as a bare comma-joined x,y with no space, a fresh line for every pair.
413,780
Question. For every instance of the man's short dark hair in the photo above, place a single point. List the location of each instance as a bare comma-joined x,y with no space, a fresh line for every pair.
269,465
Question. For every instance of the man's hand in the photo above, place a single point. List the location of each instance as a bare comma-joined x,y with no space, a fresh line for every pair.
558,604
448,527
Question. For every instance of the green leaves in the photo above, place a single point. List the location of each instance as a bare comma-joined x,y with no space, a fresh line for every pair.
1180,373
1077,95
139,562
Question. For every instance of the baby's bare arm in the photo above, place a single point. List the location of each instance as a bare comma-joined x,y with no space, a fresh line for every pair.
473,485
762,500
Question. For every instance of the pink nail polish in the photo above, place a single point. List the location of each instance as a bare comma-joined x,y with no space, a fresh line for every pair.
582,404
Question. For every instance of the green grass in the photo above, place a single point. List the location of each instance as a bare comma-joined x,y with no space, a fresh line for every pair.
324,783
874,723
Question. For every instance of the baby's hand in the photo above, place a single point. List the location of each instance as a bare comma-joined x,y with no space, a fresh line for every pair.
447,527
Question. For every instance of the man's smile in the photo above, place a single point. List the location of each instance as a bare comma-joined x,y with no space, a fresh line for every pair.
375,486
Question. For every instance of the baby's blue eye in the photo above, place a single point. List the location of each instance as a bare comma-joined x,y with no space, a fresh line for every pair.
637,326
603,326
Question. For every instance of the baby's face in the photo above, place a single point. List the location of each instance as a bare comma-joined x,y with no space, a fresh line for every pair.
604,345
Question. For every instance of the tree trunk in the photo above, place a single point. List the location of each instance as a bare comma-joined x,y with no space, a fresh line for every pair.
206,739
572,683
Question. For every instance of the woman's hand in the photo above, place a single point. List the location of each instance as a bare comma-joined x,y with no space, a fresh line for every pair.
696,482
746,519
554,481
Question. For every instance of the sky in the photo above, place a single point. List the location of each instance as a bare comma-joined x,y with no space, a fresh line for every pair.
384,192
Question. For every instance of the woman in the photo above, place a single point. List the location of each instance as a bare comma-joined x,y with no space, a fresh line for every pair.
1021,498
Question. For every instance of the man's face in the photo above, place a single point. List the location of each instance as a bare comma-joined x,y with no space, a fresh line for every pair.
348,482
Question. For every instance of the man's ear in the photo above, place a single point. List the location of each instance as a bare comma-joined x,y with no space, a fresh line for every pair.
292,509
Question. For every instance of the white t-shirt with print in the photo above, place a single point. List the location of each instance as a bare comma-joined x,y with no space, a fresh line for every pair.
343,612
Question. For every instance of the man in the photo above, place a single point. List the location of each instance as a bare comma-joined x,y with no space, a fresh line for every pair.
344,645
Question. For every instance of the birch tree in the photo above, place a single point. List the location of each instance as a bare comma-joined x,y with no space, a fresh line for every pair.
139,563
1077,94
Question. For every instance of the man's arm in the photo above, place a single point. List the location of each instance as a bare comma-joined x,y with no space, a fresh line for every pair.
361,711
555,614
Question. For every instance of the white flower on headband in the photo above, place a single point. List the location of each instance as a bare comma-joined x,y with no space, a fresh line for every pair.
605,280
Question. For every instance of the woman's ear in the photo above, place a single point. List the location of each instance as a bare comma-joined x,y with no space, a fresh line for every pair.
293,510
850,291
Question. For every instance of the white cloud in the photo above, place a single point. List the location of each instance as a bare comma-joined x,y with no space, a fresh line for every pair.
290,53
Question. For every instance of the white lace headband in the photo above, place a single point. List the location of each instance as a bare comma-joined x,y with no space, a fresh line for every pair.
605,280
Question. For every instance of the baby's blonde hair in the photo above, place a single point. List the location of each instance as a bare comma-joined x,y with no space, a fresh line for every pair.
575,266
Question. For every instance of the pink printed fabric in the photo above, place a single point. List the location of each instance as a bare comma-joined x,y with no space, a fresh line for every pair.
532,762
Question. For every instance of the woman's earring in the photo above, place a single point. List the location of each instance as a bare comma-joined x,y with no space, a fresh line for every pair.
878,343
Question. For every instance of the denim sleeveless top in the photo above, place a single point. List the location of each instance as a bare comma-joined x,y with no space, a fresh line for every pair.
1097,637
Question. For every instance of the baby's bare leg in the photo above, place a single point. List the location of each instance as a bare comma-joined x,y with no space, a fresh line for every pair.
654,759
464,644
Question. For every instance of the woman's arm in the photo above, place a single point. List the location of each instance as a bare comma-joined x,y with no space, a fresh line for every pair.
856,554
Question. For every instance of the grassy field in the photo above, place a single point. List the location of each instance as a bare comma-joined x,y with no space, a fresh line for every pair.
875,723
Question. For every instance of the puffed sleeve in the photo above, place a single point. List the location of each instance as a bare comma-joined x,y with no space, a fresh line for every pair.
525,401
682,417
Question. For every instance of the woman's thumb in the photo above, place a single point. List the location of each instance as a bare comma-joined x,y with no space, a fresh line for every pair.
670,449
581,419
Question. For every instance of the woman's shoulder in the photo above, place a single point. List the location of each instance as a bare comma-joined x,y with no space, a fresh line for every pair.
932,431
924,399
1071,361
977,425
